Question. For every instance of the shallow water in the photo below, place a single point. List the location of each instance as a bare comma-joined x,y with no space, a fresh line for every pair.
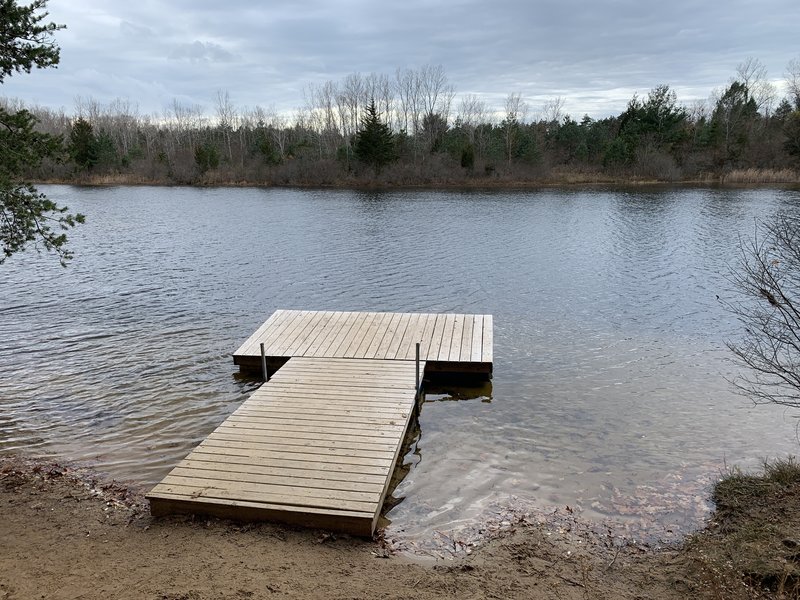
609,391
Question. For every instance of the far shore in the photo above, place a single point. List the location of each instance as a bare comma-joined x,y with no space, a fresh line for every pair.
735,179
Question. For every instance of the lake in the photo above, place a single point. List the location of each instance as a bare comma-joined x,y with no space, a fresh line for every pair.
610,391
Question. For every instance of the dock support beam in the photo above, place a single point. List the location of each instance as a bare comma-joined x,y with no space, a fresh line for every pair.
264,363
417,387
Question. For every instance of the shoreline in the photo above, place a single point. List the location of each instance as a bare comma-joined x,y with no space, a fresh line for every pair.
570,180
498,521
68,533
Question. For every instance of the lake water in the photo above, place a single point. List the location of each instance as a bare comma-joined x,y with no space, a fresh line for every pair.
609,392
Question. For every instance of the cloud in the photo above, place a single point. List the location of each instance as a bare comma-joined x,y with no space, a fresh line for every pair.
135,30
205,52
594,54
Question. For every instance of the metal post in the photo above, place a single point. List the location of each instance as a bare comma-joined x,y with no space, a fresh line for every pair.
417,388
263,363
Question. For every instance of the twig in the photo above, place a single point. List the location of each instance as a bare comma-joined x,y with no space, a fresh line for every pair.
571,581
613,560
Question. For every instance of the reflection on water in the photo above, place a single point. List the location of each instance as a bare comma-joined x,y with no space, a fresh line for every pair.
608,391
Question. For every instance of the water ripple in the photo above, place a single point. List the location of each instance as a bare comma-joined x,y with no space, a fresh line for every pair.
610,363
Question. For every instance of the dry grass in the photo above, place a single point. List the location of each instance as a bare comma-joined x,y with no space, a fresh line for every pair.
761,176
752,547
108,179
575,176
437,172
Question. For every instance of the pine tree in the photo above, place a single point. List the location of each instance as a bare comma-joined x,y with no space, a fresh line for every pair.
374,142
83,144
27,216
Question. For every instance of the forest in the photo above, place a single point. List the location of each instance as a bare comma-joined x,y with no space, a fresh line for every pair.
428,135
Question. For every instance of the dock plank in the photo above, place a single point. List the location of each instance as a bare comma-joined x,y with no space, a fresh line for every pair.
356,339
273,339
289,469
350,320
320,326
271,323
299,457
269,329
427,334
267,493
321,435
335,419
447,337
327,334
408,347
394,344
436,338
487,349
391,331
283,479
343,427
455,343
374,330
303,334
380,341
477,339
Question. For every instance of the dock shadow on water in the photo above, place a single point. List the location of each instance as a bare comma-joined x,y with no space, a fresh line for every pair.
442,388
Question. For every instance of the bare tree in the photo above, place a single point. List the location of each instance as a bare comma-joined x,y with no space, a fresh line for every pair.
516,110
351,100
472,111
473,115
407,85
768,283
436,97
226,116
698,113
186,120
378,87
553,110
87,109
311,118
326,115
436,94
276,126
793,81
123,118
753,74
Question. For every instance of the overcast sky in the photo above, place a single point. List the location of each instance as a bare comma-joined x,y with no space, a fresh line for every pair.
595,54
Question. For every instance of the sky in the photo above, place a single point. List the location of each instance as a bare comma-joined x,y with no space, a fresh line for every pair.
594,54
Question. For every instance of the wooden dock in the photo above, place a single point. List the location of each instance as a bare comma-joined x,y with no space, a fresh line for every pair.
317,444
448,342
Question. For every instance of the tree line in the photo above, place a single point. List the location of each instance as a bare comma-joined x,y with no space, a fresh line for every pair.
430,137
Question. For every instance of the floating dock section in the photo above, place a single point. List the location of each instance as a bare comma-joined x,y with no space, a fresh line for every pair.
448,342
317,444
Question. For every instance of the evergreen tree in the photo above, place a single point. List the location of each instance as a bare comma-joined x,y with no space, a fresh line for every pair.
374,142
734,112
82,144
468,157
792,130
106,151
206,156
27,216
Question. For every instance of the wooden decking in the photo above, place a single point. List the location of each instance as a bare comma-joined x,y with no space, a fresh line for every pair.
448,342
317,444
